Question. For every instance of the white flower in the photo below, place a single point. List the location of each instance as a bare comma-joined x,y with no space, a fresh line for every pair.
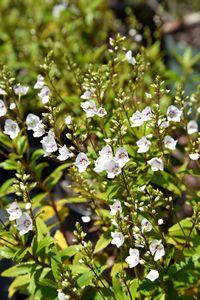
152,275
174,114
33,122
112,168
40,82
142,188
146,225
99,164
11,128
169,142
87,95
156,164
61,295
45,94
136,119
12,105
24,223
192,127
101,112
58,9
89,107
118,239
28,206
64,153
3,108
115,207
86,219
148,95
14,211
49,144
39,131
106,152
157,249
68,120
163,123
130,58
121,157
82,162
133,259
160,221
143,145
20,89
194,156
146,114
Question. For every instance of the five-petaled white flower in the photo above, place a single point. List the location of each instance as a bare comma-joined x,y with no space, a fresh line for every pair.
89,107
101,112
105,156
45,94
11,128
156,164
64,153
115,208
117,239
157,249
146,225
14,211
136,119
20,89
40,82
121,157
194,156
134,258
82,162
3,108
146,114
130,58
87,95
192,127
143,145
34,123
169,142
24,223
174,114
49,143
112,168
152,275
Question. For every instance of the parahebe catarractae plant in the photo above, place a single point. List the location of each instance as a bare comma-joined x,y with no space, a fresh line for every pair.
119,142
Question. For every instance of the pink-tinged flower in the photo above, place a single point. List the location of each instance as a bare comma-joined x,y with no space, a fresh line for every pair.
130,58
101,112
87,95
192,127
14,211
112,168
146,225
45,94
115,208
156,164
49,143
136,119
100,164
174,114
82,162
146,114
121,157
152,275
40,82
89,107
157,249
64,153
3,108
24,224
117,239
134,258
106,152
194,156
11,128
20,89
169,142
143,145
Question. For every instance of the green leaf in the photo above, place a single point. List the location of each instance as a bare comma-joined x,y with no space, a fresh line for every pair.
56,264
7,188
103,241
22,145
133,287
70,251
4,139
118,290
85,279
55,176
9,165
19,283
21,269
78,199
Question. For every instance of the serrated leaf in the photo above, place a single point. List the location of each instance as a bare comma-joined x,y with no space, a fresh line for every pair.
56,264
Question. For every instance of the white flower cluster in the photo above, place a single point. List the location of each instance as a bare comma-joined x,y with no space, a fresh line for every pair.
24,222
45,92
89,106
